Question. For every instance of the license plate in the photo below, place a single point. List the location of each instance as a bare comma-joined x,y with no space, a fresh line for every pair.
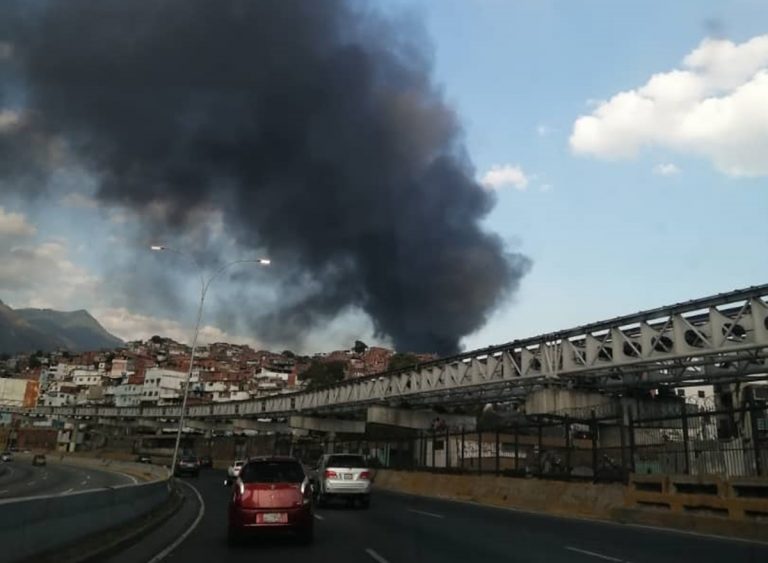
347,476
274,518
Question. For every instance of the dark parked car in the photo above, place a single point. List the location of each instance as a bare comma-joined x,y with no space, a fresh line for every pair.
271,495
39,459
187,465
206,461
143,459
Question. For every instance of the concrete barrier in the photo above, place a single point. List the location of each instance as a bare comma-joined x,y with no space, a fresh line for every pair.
141,471
553,497
32,526
706,504
709,505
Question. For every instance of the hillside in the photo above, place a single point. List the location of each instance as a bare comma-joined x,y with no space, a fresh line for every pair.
26,330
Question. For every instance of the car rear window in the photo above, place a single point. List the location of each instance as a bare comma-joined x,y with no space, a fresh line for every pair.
346,461
272,472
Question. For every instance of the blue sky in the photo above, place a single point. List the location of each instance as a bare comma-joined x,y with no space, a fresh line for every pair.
680,217
607,237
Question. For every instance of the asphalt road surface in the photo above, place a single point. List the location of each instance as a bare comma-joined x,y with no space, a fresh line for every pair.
19,478
400,528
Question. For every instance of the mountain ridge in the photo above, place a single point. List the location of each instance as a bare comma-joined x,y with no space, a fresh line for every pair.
27,330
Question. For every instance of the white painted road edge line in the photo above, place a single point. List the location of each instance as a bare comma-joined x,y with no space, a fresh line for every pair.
131,477
317,516
424,513
83,482
67,491
160,556
376,556
593,554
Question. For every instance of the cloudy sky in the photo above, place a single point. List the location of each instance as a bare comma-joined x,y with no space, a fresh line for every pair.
626,144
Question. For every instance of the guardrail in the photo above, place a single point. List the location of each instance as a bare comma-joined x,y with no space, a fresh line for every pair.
32,526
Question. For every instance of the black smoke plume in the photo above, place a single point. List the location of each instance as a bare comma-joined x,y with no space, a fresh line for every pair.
312,125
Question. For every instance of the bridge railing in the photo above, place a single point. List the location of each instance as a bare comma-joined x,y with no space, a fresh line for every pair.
705,340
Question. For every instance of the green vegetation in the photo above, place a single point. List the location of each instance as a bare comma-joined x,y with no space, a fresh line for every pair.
402,360
322,373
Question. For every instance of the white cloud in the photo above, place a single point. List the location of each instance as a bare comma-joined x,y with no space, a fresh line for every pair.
714,107
15,225
6,50
79,201
667,169
504,175
42,275
133,326
9,119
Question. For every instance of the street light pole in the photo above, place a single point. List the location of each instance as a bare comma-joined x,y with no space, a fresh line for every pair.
204,285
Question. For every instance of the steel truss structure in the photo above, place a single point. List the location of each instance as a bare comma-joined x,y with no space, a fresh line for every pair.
716,339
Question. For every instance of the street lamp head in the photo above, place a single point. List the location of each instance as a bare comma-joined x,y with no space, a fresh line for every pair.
157,247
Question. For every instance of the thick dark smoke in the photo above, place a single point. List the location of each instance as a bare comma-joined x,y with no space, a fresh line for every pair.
312,125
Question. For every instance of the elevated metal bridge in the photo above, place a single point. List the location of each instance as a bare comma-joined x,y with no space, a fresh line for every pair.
720,338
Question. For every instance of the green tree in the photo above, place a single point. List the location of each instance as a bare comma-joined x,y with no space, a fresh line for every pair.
360,347
288,354
320,374
402,360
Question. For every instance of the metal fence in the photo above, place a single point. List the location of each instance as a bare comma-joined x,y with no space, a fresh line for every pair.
596,448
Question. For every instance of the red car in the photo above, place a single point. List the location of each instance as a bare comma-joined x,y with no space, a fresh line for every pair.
271,495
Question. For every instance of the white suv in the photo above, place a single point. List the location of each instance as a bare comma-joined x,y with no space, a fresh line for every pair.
344,476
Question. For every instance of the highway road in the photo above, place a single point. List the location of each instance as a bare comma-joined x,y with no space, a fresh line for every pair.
399,529
19,478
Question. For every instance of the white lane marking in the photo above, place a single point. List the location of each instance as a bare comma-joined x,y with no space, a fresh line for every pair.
376,556
593,554
160,556
131,477
317,516
31,483
424,513
87,477
83,482
67,491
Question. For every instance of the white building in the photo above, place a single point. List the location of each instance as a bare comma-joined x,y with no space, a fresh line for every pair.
120,369
164,386
128,395
59,394
265,373
59,371
86,377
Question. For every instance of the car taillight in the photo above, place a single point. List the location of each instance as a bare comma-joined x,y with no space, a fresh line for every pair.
330,474
364,475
